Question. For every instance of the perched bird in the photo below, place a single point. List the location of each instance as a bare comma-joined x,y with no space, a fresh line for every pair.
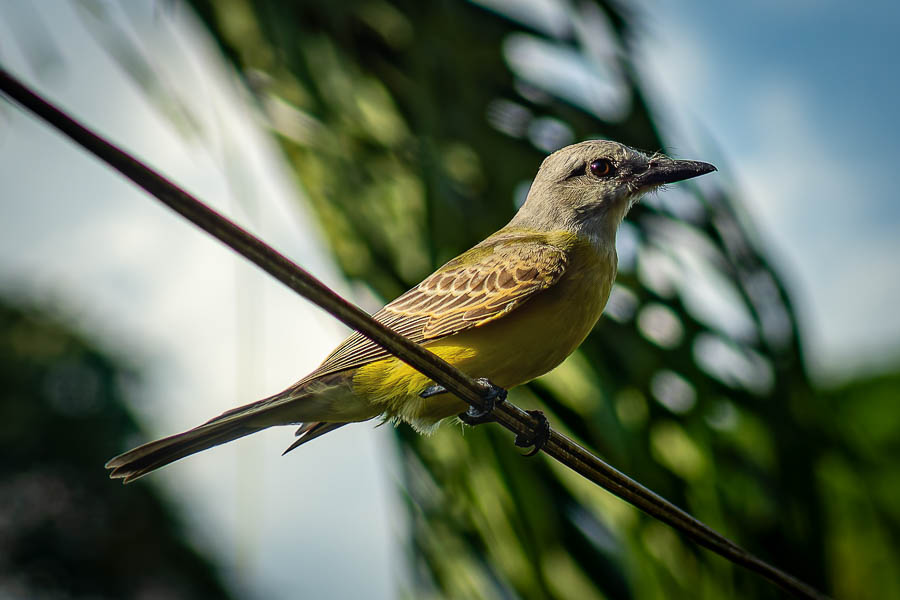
509,309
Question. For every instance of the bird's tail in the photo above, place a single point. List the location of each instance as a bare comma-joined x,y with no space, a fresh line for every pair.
323,404
228,426
149,457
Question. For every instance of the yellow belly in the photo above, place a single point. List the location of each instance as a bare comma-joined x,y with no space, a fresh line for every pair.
509,351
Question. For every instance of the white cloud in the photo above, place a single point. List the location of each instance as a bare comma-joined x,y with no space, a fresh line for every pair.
814,196
213,331
811,194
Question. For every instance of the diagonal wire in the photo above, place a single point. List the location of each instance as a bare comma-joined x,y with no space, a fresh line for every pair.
507,414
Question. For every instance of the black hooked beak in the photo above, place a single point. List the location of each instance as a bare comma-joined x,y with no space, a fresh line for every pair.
662,170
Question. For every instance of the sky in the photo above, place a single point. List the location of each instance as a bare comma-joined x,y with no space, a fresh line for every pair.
794,102
207,330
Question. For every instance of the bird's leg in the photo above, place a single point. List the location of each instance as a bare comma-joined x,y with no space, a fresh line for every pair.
493,395
536,438
432,390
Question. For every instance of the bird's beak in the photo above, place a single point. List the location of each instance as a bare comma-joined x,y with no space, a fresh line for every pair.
662,170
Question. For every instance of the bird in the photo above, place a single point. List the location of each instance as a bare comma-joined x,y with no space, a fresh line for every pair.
507,310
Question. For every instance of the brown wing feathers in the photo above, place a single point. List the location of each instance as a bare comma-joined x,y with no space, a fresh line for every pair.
469,291
469,296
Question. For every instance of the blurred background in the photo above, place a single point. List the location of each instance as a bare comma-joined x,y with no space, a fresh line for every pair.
747,368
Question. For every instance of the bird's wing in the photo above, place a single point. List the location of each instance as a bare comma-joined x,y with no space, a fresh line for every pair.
475,288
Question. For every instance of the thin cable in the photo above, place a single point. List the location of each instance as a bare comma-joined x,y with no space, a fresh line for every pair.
507,414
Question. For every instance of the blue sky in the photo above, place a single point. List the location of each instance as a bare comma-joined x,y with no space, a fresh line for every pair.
800,100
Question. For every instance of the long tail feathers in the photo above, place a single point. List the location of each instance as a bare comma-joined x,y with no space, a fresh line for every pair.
149,457
279,409
230,425
227,427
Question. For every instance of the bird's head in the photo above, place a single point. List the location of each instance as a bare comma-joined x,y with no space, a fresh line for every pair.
588,187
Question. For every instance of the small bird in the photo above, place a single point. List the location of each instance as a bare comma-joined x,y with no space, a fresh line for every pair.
510,309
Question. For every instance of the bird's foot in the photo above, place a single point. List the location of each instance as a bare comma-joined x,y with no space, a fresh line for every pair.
432,390
493,395
536,438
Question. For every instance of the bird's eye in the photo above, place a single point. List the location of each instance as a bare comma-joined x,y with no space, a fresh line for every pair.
602,167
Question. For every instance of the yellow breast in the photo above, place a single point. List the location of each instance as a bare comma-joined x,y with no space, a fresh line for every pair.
524,344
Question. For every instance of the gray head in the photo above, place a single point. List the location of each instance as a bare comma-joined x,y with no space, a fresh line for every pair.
588,187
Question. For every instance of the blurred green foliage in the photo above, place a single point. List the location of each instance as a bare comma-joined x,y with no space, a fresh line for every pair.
65,531
414,127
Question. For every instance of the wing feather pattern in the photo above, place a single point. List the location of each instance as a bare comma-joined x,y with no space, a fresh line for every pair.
481,285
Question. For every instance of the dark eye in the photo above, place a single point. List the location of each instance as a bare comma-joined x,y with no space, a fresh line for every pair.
603,167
